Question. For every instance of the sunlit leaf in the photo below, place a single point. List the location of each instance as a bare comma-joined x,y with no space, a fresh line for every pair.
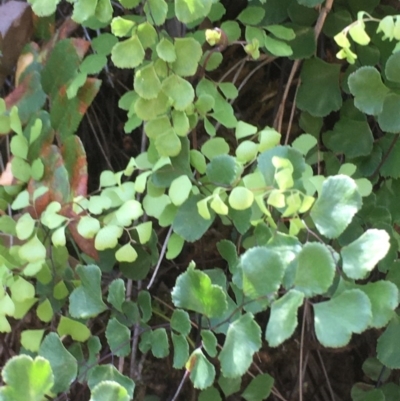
36,374
335,320
194,291
334,209
362,255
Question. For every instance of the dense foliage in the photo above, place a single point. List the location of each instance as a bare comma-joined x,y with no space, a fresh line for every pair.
297,206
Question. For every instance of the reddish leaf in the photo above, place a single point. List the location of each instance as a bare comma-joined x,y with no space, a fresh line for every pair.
15,30
75,162
28,96
81,46
84,244
66,114
55,74
55,178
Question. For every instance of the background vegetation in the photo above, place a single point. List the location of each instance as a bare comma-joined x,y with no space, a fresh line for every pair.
199,200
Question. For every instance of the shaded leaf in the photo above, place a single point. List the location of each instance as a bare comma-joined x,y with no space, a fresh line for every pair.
283,319
368,98
63,364
243,339
388,351
316,269
262,271
335,320
188,223
319,92
86,300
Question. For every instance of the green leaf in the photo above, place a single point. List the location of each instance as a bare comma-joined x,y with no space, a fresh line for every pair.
20,169
315,270
210,342
277,47
181,350
259,388
159,343
116,293
83,10
25,226
335,320
31,339
210,394
181,122
215,147
156,11
78,331
319,92
146,82
267,168
262,271
392,68
188,53
194,290
310,3
246,151
368,98
144,301
101,373
191,10
334,209
128,53
179,90
126,253
388,351
229,385
230,91
240,198
251,15
243,339
281,32
175,246
384,300
166,50
109,390
93,64
88,226
63,364
180,321
202,372
389,120
35,374
32,251
19,146
121,26
104,43
107,237
118,338
188,212
86,300
347,132
283,319
363,254
222,170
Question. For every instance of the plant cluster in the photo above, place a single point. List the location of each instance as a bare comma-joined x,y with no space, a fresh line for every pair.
306,223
